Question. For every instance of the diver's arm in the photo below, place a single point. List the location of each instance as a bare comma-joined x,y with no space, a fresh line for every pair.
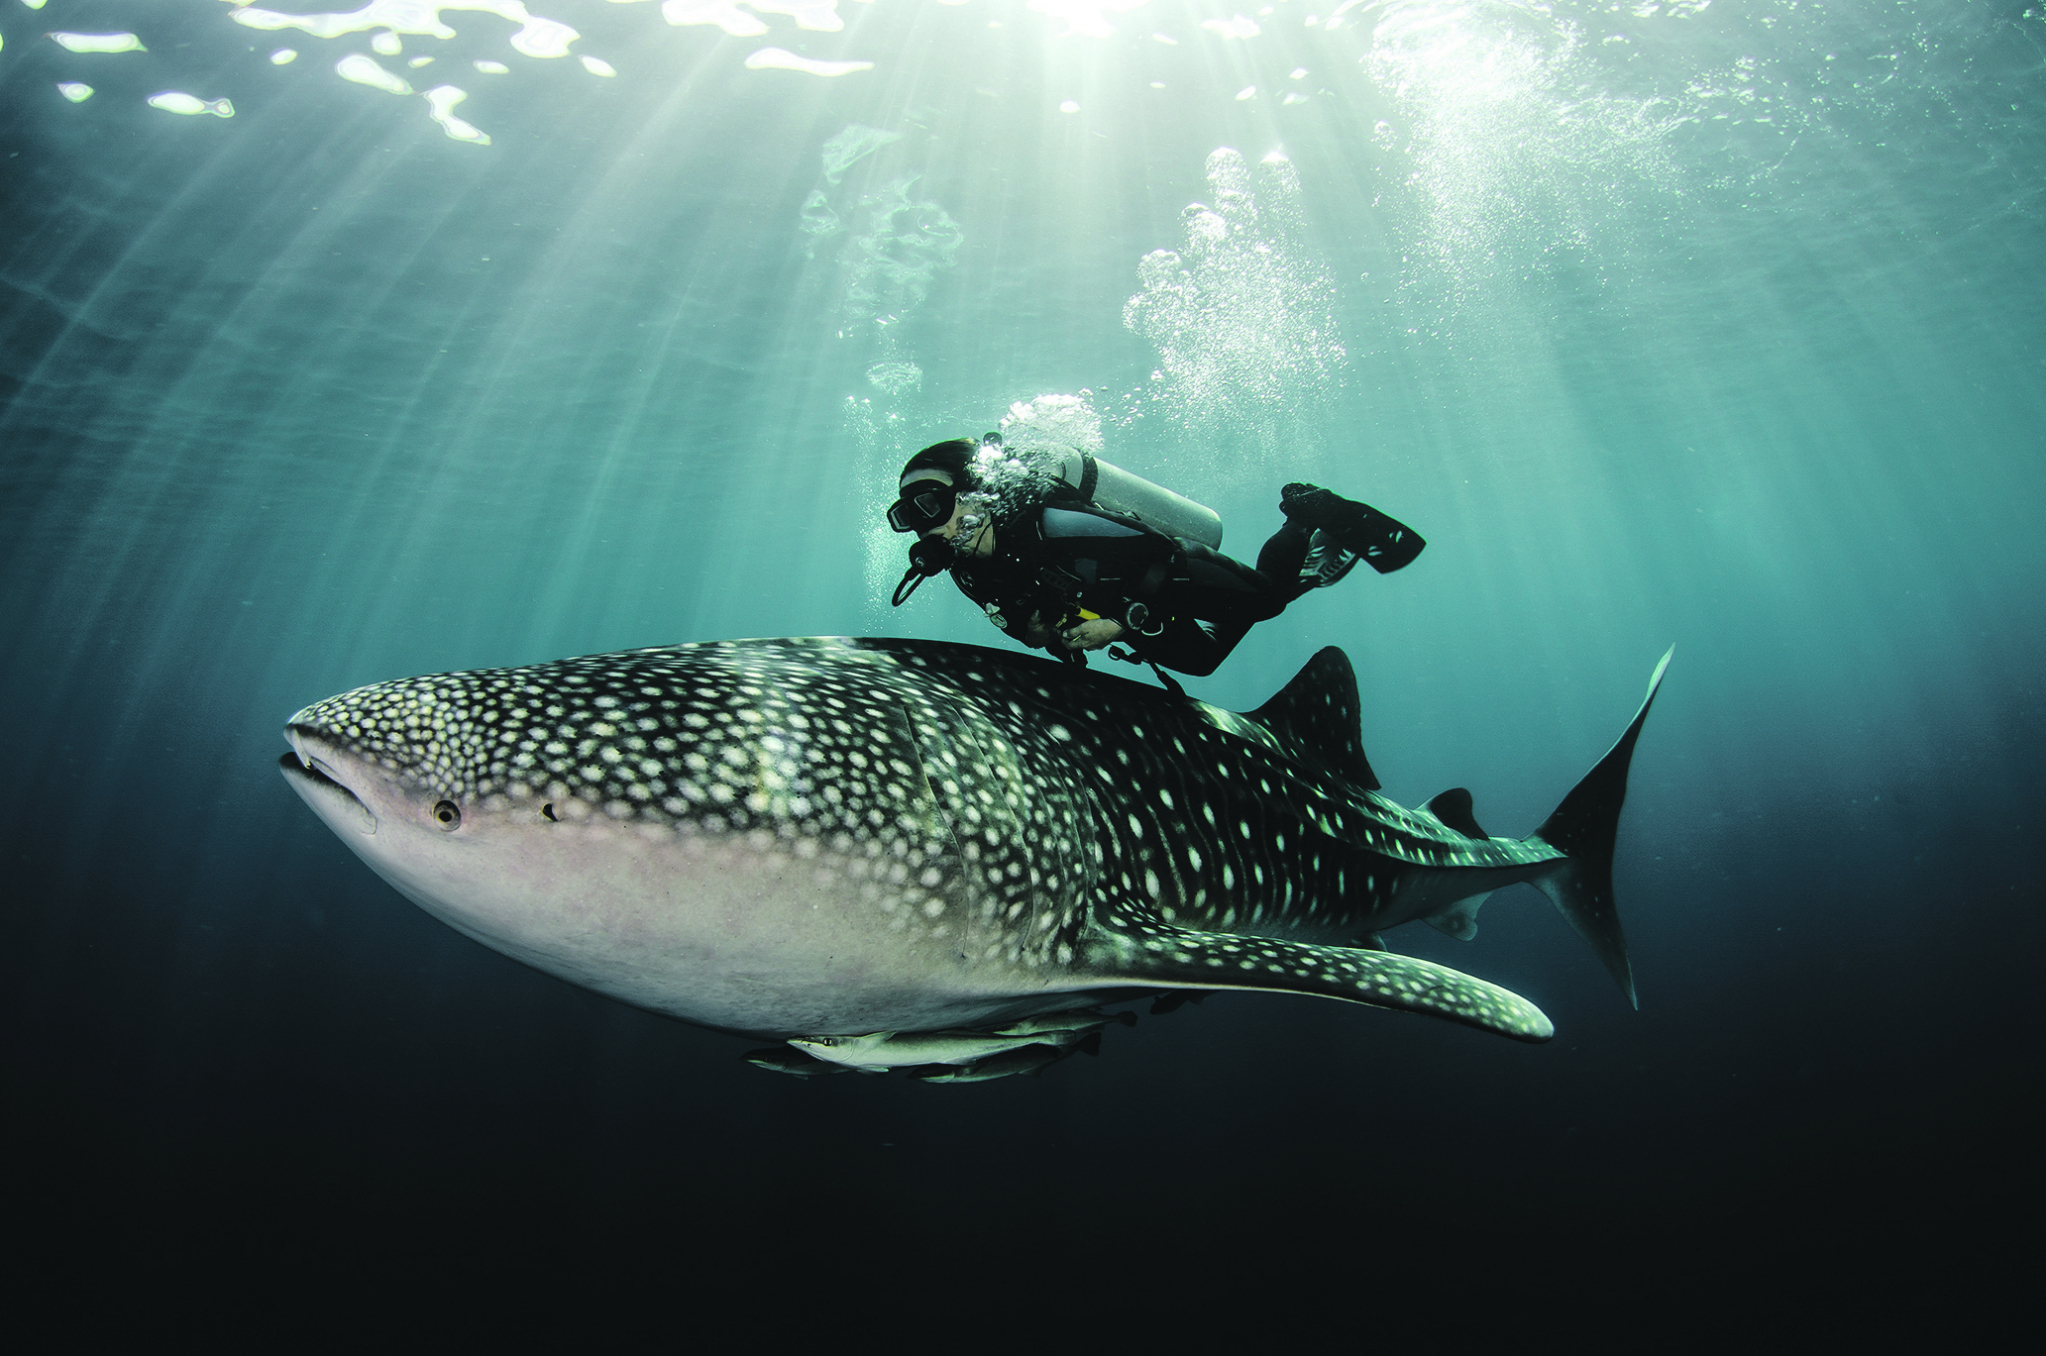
1091,634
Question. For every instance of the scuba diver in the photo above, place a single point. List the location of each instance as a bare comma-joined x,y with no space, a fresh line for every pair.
1068,553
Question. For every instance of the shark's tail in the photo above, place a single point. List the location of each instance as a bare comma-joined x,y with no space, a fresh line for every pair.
1583,828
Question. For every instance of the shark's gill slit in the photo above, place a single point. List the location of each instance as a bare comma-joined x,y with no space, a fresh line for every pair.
548,810
941,817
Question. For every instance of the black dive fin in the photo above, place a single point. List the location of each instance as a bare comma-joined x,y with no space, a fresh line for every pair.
1453,807
1179,958
1386,543
1318,719
1584,828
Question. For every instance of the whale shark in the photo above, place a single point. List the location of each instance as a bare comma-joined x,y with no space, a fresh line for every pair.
887,853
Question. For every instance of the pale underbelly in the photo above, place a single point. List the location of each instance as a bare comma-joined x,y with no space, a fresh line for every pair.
725,935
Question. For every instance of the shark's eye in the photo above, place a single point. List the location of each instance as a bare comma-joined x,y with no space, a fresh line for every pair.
448,815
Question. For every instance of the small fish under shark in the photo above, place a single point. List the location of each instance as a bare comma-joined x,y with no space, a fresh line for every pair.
901,853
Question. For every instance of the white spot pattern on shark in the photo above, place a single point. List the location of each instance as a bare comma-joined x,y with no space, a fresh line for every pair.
828,839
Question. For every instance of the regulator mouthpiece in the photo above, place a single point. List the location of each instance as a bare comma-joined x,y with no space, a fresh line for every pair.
927,556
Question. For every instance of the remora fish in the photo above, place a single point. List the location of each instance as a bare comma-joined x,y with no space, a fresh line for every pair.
811,838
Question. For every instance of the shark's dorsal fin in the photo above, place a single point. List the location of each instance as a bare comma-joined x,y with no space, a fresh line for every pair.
1317,717
1453,807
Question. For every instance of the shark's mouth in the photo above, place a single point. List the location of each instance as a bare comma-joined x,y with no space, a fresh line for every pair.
311,770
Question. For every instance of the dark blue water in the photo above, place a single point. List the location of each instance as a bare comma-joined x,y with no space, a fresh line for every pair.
1720,325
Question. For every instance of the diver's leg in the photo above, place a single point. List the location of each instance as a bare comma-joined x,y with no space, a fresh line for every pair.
1222,640
1217,603
1220,588
1281,557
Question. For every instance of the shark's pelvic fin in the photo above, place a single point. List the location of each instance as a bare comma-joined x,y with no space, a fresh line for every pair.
1584,828
1168,957
1317,717
1459,920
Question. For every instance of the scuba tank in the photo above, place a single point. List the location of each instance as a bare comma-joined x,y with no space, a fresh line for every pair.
1107,486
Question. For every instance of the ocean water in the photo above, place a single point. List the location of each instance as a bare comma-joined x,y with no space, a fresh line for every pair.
511,334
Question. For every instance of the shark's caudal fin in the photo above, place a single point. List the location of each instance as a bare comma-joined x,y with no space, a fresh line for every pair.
1584,828
1165,957
1319,719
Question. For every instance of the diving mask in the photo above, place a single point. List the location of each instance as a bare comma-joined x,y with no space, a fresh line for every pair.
925,504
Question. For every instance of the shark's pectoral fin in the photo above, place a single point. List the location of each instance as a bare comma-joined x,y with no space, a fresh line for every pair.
1167,957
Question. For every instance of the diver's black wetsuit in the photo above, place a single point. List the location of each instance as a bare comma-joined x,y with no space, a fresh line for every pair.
1054,559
